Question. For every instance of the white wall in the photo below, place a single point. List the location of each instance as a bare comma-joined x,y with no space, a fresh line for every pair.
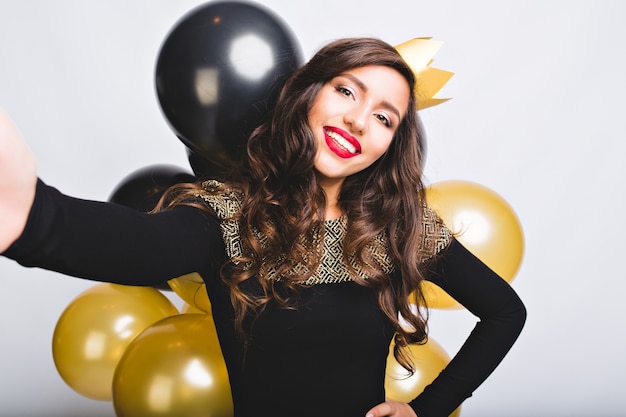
537,116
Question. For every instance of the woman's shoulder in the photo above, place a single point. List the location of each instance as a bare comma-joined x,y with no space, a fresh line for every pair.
435,235
221,197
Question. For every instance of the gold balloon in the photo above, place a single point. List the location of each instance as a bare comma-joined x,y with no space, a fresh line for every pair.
174,368
484,223
192,289
95,329
435,297
191,309
429,360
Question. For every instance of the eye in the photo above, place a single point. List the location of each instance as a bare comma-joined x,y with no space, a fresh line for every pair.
383,119
344,91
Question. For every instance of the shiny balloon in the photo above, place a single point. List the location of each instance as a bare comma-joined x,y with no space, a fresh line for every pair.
187,308
204,169
174,368
142,189
218,74
484,223
192,289
95,329
429,360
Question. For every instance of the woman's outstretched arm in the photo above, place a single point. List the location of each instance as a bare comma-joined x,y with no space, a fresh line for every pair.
42,227
109,242
18,180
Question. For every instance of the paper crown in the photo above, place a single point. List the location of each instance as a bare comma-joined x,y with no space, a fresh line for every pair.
419,53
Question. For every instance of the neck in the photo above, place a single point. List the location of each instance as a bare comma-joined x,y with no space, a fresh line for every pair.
331,188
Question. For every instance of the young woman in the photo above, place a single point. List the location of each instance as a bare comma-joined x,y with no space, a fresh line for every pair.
309,253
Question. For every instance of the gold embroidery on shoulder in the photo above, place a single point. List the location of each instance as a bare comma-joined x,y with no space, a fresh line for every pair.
435,235
226,205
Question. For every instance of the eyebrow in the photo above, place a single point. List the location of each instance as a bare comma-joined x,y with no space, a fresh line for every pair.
363,87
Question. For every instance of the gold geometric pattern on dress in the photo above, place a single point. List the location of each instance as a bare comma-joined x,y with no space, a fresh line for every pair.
226,206
332,267
435,235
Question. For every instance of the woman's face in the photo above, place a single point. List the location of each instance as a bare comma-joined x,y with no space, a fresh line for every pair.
354,118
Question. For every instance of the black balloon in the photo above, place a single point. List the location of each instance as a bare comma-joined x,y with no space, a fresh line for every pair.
218,73
142,189
203,168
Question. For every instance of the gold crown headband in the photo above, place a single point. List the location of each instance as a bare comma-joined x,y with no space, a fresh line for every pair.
419,53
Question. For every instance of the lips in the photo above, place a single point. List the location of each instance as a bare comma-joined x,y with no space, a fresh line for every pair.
343,144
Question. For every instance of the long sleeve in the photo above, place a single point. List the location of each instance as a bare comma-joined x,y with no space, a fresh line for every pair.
109,242
502,315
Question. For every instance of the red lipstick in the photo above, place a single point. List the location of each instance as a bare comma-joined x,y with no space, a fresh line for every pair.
343,144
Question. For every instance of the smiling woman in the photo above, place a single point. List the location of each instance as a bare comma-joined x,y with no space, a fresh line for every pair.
309,252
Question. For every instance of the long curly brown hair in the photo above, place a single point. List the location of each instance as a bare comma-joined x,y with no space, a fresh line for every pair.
284,202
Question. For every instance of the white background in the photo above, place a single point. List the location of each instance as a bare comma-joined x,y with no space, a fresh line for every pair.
537,116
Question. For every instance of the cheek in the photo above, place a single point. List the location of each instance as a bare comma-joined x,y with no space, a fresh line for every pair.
381,146
320,105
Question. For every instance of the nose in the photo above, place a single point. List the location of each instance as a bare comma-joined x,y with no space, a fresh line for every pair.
356,119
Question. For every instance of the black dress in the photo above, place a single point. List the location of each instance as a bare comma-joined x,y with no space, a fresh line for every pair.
325,358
